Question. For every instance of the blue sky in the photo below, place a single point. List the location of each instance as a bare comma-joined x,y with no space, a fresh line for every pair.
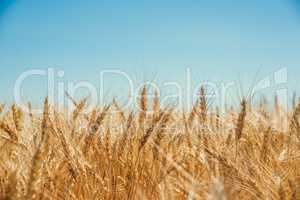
217,40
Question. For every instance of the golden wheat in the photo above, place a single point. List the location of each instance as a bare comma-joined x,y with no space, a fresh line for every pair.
163,155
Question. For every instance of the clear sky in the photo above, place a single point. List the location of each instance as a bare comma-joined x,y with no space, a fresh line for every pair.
217,40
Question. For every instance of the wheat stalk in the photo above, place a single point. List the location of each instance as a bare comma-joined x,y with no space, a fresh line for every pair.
240,125
143,106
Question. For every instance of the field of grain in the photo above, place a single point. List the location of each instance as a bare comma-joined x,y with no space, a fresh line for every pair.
114,153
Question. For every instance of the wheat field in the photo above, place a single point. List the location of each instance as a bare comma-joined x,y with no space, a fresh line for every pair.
114,153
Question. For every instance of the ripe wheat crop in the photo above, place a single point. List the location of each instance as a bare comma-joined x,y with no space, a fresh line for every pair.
158,153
